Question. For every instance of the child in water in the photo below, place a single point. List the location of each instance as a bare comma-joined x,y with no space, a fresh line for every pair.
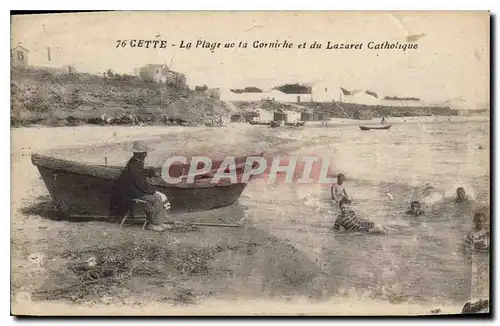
461,195
415,209
348,221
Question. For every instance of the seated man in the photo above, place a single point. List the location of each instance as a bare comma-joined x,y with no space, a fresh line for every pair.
349,222
133,184
415,209
478,239
461,195
338,191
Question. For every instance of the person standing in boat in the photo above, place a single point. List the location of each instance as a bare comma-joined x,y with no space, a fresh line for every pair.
383,122
338,190
133,184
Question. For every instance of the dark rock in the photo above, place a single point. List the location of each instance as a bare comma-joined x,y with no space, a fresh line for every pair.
479,306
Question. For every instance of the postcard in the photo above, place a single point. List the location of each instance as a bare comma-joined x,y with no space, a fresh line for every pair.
181,163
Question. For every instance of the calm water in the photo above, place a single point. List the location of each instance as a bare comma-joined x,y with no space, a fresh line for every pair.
420,260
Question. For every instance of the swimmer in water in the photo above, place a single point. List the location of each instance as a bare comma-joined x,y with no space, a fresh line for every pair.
461,196
478,239
348,221
415,209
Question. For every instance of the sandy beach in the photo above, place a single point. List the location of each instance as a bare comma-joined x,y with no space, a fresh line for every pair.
37,240
243,270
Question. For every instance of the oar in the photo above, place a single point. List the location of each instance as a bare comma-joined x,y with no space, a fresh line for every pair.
142,217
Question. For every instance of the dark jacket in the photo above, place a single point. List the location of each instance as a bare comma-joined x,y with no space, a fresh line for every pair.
132,183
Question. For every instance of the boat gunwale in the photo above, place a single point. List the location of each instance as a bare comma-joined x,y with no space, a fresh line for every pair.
112,173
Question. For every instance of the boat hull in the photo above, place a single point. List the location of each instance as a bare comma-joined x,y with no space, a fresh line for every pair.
375,127
260,123
298,124
78,189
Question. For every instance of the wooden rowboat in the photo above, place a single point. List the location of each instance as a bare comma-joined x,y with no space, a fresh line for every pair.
384,127
82,189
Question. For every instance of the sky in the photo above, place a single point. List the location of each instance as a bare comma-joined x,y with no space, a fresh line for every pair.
452,59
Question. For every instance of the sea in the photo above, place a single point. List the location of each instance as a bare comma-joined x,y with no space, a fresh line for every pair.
420,259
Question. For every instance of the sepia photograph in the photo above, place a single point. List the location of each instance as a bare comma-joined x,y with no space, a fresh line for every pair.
242,163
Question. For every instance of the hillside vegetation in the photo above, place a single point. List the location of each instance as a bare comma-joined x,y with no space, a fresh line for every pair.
43,97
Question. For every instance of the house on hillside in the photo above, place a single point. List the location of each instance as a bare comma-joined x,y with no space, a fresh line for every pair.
240,95
263,115
325,93
19,57
250,94
290,93
161,74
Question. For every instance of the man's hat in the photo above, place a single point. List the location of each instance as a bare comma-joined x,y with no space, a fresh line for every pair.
140,147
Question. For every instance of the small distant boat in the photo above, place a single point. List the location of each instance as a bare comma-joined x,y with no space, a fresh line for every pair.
295,124
383,127
259,123
275,124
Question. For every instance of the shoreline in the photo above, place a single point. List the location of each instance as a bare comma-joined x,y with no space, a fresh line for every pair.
333,122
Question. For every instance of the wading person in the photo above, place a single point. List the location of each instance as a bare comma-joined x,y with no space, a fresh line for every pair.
348,221
415,209
478,239
477,248
133,184
338,190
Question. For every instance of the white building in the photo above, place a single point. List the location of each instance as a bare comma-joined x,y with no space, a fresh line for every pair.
325,93
264,115
228,95
274,95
